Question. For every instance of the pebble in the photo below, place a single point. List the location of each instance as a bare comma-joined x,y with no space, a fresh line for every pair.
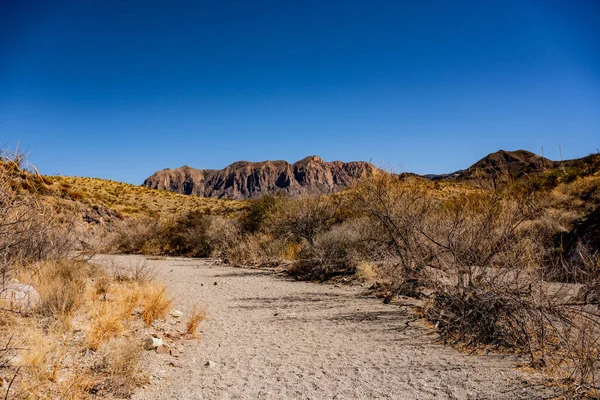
152,343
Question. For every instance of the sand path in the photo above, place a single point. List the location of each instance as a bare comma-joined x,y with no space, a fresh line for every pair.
270,337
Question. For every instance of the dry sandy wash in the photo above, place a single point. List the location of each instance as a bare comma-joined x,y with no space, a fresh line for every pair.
270,337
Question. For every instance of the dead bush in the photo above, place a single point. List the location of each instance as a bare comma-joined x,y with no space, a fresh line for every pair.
481,316
303,218
224,235
335,251
259,249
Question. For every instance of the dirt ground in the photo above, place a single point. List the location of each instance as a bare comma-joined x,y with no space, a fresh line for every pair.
270,337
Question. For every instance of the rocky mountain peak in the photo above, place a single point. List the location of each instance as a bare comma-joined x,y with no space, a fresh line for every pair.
246,179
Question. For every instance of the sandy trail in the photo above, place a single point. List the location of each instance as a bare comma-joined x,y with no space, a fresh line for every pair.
270,337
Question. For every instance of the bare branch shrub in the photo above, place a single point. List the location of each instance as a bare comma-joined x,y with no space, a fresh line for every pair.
303,218
224,235
335,251
398,210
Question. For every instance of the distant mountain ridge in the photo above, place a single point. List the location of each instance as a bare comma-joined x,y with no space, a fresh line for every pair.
501,163
244,179
312,175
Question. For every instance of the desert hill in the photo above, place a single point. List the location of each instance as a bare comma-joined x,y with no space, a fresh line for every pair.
501,164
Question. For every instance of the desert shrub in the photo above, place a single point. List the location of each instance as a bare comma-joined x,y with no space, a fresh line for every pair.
29,230
335,251
303,218
490,261
259,249
224,234
474,234
258,210
186,235
398,210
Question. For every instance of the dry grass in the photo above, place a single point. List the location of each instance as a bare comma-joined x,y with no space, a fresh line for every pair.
135,201
82,339
140,272
366,272
195,317
155,303
118,368
106,323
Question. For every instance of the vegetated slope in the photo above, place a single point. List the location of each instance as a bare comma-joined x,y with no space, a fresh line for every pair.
244,179
98,207
126,200
513,163
503,166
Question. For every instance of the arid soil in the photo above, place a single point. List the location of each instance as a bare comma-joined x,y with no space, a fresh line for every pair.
270,337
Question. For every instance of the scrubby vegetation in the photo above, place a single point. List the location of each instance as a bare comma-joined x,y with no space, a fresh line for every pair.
507,263
69,329
511,265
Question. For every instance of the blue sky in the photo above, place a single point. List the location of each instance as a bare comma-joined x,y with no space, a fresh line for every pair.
117,89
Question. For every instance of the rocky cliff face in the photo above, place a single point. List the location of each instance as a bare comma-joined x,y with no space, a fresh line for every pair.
244,179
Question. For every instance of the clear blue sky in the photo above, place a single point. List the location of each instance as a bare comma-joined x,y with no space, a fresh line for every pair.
119,89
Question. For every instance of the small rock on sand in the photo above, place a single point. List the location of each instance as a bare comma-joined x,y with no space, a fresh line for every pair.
152,343
21,297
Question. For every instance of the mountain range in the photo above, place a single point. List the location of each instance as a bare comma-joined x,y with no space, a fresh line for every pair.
313,175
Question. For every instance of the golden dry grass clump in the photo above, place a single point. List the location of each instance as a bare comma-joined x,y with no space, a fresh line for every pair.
195,317
155,302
